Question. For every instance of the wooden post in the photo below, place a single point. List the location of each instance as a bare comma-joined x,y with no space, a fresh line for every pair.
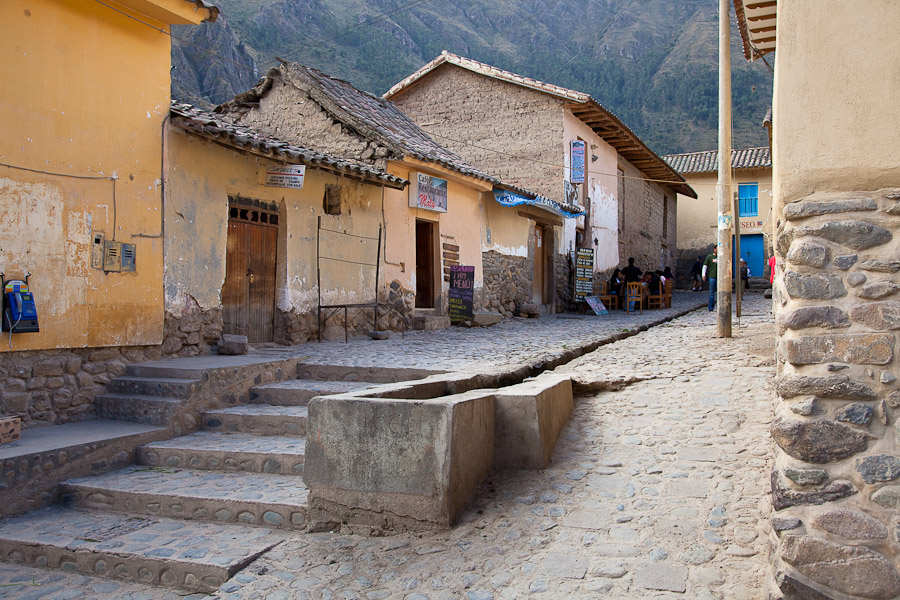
723,189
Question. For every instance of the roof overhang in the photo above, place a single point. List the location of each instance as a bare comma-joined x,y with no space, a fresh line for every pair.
241,138
756,22
615,133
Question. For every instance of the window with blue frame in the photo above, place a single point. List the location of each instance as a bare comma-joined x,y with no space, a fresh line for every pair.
748,199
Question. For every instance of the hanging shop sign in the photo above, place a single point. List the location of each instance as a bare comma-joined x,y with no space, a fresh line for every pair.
286,177
584,273
577,161
460,297
427,192
508,198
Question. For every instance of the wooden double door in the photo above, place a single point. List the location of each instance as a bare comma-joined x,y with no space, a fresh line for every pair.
248,296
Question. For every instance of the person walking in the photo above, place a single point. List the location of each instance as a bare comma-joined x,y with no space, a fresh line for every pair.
697,275
745,276
710,273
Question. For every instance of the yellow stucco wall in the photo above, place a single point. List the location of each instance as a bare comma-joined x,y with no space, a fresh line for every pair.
602,189
836,126
697,217
87,91
460,226
200,176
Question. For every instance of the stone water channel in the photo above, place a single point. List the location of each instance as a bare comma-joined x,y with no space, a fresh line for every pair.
613,379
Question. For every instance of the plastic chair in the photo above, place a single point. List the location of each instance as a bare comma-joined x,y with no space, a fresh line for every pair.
634,294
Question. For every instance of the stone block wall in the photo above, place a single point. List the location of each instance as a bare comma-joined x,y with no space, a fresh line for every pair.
642,214
836,479
48,387
488,122
507,281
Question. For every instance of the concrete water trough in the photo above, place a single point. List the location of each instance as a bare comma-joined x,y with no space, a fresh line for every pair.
410,455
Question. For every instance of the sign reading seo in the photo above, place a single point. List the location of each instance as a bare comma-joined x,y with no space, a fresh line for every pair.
427,192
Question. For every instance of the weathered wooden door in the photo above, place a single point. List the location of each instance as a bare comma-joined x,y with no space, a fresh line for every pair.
424,264
248,296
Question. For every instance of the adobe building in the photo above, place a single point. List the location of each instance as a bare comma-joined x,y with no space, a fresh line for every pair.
249,218
422,239
81,207
697,217
836,210
527,132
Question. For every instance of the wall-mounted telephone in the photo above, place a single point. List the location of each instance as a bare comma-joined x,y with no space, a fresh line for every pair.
19,311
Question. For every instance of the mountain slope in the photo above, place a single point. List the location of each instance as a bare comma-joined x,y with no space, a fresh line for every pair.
652,62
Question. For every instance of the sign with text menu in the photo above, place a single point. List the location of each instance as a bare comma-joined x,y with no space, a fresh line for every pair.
584,273
460,297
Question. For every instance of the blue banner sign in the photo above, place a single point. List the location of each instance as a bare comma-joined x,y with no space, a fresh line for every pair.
508,198
577,162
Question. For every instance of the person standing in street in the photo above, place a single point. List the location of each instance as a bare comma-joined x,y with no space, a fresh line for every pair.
697,275
710,272
631,273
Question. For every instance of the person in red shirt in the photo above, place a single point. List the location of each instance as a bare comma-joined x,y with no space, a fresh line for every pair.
772,269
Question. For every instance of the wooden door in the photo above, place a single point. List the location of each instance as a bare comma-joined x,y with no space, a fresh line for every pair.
538,283
424,264
248,296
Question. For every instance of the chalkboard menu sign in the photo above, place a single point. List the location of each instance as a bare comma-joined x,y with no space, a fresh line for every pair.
584,273
462,287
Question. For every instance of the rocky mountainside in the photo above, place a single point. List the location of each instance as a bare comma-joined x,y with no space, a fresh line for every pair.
652,62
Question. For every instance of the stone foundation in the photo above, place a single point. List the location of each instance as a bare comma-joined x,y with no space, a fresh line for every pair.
508,282
48,387
565,282
836,479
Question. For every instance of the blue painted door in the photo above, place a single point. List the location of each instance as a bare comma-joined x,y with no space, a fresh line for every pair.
752,251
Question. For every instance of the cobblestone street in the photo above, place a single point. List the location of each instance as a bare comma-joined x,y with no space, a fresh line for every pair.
658,489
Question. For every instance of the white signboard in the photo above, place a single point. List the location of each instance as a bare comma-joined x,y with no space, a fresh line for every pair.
427,192
286,177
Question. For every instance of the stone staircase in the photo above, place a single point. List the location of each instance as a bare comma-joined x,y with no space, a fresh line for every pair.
196,508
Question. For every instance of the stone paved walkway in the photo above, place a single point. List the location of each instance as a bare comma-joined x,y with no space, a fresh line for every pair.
658,489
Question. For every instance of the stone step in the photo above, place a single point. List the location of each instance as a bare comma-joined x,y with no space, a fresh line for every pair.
241,498
218,451
298,392
150,410
197,557
258,419
153,386
201,367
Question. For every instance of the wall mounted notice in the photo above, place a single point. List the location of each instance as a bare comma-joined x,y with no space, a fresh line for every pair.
427,192
577,162
584,273
286,177
461,295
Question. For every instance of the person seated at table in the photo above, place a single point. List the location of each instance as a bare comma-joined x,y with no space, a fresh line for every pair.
667,273
615,283
657,283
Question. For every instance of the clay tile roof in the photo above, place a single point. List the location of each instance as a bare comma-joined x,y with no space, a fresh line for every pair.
607,125
379,119
708,161
216,128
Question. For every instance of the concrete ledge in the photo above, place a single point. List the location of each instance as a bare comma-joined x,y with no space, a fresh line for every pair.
395,463
530,417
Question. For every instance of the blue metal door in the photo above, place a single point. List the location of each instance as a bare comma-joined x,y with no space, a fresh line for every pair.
752,252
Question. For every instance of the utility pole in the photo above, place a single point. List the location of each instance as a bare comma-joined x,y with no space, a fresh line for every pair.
723,189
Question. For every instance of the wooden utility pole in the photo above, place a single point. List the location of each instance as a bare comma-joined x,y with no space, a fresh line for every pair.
723,189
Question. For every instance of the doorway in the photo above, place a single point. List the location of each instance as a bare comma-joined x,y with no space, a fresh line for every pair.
539,283
425,268
752,251
248,295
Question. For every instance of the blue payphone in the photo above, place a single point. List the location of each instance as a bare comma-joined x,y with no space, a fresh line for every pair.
19,310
